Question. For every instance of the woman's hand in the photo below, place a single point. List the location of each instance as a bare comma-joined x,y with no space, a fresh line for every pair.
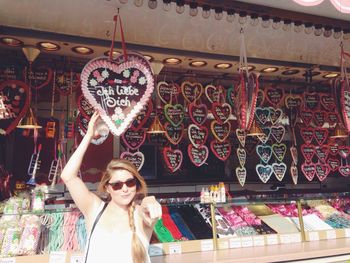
91,130
151,210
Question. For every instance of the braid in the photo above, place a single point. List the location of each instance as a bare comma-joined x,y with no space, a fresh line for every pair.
137,248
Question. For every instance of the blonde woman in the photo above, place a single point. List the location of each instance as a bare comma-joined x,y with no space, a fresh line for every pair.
120,229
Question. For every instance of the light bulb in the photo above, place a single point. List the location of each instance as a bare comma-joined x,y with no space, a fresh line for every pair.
138,3
166,5
327,31
276,23
308,28
298,26
180,6
152,4
337,32
230,15
318,30
287,25
242,18
346,34
265,21
206,11
193,9
218,14
123,1
254,19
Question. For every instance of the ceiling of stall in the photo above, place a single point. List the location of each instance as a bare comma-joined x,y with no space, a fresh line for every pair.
163,33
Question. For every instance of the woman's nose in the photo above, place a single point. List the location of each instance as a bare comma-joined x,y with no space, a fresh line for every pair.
125,188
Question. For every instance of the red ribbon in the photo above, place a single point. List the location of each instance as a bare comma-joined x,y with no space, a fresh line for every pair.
115,19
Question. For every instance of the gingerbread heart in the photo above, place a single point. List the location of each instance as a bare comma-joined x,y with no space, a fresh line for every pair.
308,151
199,155
274,95
134,139
345,103
344,170
309,170
262,115
174,113
307,134
322,153
137,158
275,115
173,158
306,116
333,164
264,152
66,82
260,98
277,132
279,150
294,173
118,91
214,93
221,112
327,102
241,174
321,135
293,101
264,172
333,118
191,91
198,113
174,133
15,98
322,171
197,135
320,117
279,169
220,131
166,91
294,154
333,149
241,155
344,151
265,136
241,135
311,100
221,150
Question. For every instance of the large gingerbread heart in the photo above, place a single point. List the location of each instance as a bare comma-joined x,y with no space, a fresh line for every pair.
198,113
85,108
166,91
173,158
327,102
293,101
118,91
15,97
137,158
199,155
221,150
191,91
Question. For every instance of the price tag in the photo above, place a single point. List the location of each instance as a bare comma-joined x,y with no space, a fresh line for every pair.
77,259
331,234
58,257
235,243
285,239
207,245
247,241
313,236
295,238
272,239
175,249
155,250
223,244
347,232
259,241
7,260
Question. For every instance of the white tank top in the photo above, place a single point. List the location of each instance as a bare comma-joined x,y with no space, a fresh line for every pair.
109,247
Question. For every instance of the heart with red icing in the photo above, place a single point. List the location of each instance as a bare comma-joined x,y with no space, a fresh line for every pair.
174,133
199,155
134,139
173,158
308,151
221,112
309,170
322,171
198,113
221,150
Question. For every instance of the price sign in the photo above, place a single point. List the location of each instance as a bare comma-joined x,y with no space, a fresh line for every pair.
207,245
155,250
235,243
314,236
175,249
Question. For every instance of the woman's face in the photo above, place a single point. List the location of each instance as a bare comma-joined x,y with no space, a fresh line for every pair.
122,187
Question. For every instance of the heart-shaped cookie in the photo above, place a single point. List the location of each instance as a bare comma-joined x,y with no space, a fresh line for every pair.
241,135
66,82
220,131
134,139
241,155
333,164
275,115
137,158
322,153
173,158
333,118
327,102
264,152
274,95
214,93
166,91
198,113
260,98
191,91
174,113
294,173
262,115
241,174
199,155
277,132
321,135
322,171
264,172
307,134
265,136
311,100
320,117
333,149
174,133
294,154
15,98
221,150
118,91
309,170
221,112
344,151
308,151
279,150
344,170
293,101
279,169
306,116
197,135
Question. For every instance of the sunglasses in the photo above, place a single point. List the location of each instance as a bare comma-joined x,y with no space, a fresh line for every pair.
119,185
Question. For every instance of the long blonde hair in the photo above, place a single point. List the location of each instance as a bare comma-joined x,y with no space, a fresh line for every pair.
138,249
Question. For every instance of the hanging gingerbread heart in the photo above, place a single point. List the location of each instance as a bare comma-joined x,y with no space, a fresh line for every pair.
279,150
134,139
220,131
221,112
333,118
137,158
308,151
214,93
85,108
322,153
191,91
197,135
306,116
320,117
264,152
241,174
10,72
142,118
15,98
231,96
199,155
264,172
327,102
307,134
166,91
174,133
279,169
322,171
309,170
262,115
221,150
294,154
260,98
275,115
118,91
321,135
174,113
277,132
38,77
294,173
334,164
67,82
173,158
241,155
274,95
344,170
82,124
344,151
198,113
333,149
241,135
293,101
311,100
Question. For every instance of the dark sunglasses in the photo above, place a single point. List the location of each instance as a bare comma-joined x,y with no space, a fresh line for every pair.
119,185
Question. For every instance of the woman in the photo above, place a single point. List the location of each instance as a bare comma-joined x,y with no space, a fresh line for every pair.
120,229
